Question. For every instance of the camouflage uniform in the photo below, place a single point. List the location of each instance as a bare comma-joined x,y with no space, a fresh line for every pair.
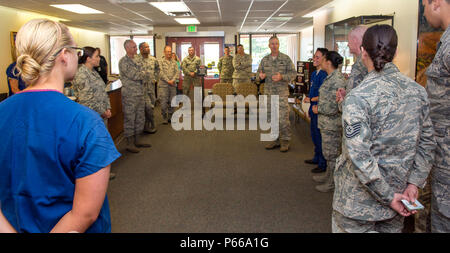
359,71
226,69
169,71
190,64
283,64
438,88
151,66
90,91
242,65
329,122
131,76
387,143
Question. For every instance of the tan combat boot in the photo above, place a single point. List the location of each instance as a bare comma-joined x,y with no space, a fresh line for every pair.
130,145
284,146
273,144
138,143
148,129
322,178
328,186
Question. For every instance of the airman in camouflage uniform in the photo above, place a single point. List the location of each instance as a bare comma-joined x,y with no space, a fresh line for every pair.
225,67
90,91
438,89
269,68
169,75
242,64
190,65
359,71
132,76
387,147
330,125
151,66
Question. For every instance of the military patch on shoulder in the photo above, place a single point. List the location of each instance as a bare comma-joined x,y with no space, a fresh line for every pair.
352,130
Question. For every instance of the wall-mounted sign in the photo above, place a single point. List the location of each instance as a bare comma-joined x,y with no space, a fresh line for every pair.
191,28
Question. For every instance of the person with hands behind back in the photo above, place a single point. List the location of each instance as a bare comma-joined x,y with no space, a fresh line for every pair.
388,143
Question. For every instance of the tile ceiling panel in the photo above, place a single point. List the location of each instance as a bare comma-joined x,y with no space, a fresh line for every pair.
139,16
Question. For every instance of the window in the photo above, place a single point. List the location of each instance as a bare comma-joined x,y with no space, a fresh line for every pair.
245,41
148,39
289,45
185,50
259,46
211,57
117,51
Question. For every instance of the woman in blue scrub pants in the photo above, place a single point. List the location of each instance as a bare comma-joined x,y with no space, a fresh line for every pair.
317,78
15,83
55,155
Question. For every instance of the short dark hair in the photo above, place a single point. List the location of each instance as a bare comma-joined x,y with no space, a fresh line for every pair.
87,52
141,44
429,1
227,47
240,45
322,50
380,42
335,58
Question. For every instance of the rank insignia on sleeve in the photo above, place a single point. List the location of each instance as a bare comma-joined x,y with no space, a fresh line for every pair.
352,130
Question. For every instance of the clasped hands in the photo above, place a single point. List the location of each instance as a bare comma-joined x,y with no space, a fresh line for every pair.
277,77
410,194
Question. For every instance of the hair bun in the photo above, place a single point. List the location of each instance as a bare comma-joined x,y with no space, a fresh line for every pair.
29,70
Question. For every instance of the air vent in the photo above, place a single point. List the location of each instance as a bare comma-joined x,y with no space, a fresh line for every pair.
180,14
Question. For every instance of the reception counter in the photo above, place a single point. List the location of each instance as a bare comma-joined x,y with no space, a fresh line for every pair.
115,123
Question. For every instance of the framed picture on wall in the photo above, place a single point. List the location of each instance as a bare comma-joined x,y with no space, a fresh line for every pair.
427,40
13,45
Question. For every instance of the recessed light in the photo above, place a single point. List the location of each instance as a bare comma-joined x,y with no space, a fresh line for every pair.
168,7
77,8
187,21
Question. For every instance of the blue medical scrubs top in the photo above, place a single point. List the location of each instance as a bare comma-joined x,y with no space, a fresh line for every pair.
12,73
316,81
49,141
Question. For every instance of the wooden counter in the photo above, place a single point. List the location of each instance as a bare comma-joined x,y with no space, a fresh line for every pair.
115,123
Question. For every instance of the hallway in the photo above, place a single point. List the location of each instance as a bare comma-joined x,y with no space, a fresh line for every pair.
217,181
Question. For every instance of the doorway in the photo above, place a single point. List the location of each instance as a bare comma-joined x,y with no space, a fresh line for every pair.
208,49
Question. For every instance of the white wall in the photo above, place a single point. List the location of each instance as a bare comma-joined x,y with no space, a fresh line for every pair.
405,23
306,43
230,32
12,19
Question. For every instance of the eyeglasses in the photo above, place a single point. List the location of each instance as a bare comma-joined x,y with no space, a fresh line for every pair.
79,51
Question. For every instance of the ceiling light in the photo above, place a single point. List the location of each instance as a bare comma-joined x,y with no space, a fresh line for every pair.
187,21
168,7
77,8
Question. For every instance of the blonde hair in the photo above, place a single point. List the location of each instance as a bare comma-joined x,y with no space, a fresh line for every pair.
37,44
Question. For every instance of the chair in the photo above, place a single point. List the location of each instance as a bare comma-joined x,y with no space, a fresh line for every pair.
246,89
222,90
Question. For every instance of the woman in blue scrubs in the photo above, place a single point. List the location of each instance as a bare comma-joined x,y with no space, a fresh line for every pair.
317,78
55,153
